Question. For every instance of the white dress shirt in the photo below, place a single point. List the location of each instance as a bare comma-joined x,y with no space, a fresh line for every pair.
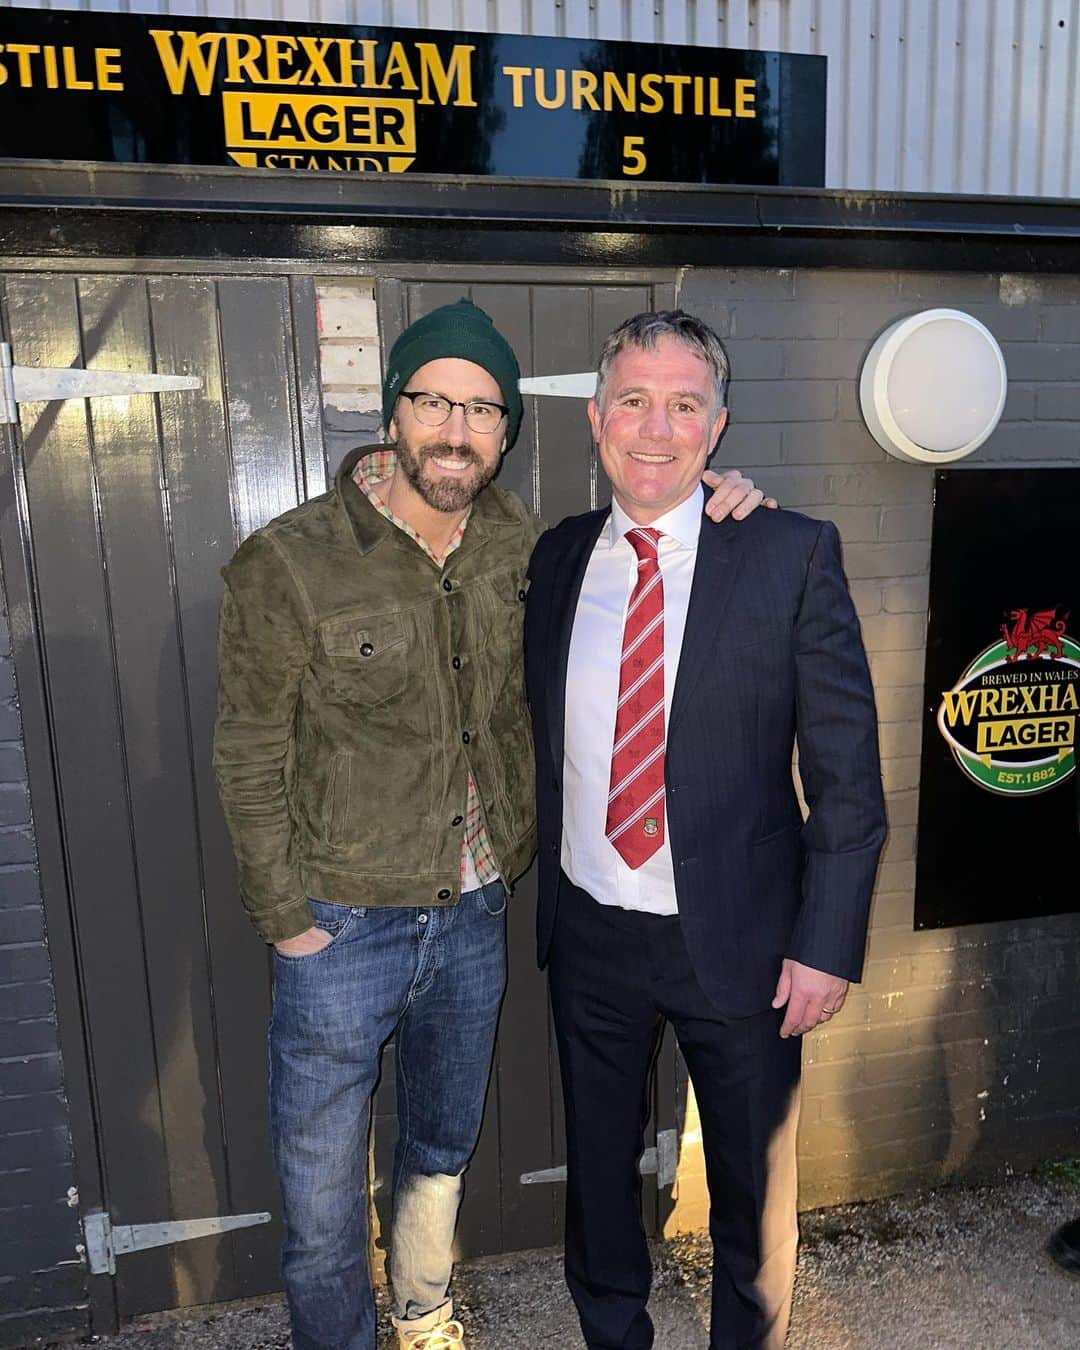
592,696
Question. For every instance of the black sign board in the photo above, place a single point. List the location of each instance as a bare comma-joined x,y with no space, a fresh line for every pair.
998,835
155,89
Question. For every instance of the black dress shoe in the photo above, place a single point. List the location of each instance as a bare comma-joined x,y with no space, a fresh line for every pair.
1064,1247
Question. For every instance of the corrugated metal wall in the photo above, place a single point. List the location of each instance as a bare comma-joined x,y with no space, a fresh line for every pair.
954,96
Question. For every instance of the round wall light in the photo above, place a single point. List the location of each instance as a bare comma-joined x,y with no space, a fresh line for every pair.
933,386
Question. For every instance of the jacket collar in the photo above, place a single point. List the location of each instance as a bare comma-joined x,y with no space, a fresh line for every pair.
369,528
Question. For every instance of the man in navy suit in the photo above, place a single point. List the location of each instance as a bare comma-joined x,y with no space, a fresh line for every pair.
671,663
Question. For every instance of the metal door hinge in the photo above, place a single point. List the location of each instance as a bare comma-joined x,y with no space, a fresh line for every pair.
104,1243
44,384
579,385
663,1160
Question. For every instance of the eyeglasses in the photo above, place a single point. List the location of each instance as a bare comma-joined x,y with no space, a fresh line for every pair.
432,410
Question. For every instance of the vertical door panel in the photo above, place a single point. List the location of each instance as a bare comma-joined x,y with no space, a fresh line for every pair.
260,392
561,343
195,454
80,660
157,756
305,329
509,307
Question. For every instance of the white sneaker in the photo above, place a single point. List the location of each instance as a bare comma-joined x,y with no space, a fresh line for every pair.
446,1336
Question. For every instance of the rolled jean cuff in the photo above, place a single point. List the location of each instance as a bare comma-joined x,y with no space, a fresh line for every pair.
429,1321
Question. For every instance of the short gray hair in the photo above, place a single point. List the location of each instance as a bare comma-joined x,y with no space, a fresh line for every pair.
645,330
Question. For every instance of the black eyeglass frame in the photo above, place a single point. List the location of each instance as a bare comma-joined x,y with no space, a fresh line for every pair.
413,394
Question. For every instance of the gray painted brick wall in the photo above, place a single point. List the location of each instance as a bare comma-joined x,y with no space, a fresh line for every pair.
959,1054
42,1280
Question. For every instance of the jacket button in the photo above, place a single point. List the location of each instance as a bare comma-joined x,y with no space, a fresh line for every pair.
457,820
554,848
456,662
444,894
447,585
466,737
521,595
366,649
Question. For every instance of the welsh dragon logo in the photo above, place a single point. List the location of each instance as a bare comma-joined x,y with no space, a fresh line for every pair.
1031,637
1010,719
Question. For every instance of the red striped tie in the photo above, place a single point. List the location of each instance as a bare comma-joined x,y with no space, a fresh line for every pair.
635,815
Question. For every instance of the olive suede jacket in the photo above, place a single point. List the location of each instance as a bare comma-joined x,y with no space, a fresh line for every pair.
359,684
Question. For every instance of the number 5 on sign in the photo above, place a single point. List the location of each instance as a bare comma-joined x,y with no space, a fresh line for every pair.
633,155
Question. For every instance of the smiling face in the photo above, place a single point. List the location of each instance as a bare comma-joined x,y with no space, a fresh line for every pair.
449,465
657,426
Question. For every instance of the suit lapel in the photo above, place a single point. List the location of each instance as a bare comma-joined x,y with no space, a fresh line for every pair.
566,583
720,558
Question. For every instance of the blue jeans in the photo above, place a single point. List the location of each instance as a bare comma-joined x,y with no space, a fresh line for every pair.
436,978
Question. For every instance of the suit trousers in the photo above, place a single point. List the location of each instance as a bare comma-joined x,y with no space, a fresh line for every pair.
616,977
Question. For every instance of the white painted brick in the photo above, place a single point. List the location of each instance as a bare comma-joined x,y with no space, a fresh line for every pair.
362,400
898,739
899,704
894,632
896,670
897,775
866,595
902,808
908,596
900,844
347,312
348,364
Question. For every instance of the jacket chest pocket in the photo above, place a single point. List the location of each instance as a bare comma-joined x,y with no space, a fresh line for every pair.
366,659
503,613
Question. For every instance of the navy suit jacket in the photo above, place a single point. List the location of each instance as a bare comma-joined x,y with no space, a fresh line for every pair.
772,648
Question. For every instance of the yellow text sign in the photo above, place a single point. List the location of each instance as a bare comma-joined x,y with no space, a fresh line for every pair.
313,122
1022,733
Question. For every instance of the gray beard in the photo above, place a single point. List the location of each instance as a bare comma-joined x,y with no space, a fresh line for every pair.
446,495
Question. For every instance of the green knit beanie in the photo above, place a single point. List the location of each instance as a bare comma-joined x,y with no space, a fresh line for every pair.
460,330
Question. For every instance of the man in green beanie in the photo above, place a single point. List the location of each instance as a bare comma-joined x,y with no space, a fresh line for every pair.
374,758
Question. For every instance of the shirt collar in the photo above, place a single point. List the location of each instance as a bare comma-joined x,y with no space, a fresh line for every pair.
374,468
682,523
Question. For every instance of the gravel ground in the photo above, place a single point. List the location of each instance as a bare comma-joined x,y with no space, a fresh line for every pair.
947,1268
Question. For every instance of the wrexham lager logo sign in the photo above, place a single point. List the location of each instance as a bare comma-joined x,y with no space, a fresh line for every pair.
1010,718
355,99
1001,698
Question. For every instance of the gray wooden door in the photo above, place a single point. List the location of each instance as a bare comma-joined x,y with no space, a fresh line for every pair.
120,512
129,506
